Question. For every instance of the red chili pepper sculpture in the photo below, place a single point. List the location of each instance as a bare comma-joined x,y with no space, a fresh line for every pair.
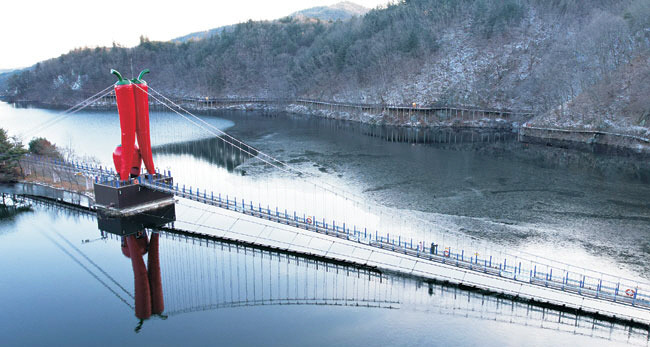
133,107
141,91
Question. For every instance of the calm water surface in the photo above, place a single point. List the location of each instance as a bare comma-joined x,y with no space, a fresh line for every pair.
471,188
582,209
63,282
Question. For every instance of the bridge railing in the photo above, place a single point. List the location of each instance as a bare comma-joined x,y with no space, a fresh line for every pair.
554,275
561,277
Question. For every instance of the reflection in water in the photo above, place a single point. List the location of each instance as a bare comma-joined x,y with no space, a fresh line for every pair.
218,275
131,224
148,286
11,205
205,274
148,299
135,243
202,274
438,136
213,150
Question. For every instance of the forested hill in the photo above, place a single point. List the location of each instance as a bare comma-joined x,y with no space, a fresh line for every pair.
569,60
339,11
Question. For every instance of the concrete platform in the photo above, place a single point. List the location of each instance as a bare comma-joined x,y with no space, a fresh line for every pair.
119,198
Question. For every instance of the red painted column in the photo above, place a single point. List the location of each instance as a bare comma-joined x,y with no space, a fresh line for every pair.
141,91
155,281
126,109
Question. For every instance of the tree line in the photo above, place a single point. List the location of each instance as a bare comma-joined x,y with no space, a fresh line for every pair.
534,54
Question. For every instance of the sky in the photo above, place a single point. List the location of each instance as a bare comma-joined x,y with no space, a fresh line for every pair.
35,30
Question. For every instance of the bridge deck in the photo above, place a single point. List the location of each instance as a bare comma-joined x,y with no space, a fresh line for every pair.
230,224
244,221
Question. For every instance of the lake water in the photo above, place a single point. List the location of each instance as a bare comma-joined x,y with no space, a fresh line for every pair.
63,282
472,187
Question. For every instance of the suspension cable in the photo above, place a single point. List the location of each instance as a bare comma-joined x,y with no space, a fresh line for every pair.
63,115
94,264
274,162
282,166
90,272
69,111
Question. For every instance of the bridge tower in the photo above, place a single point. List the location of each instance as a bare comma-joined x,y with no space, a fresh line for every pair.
130,191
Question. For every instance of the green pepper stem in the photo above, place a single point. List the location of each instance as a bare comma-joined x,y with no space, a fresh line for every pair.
142,73
119,75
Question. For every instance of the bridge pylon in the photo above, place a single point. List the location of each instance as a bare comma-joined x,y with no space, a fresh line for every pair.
128,192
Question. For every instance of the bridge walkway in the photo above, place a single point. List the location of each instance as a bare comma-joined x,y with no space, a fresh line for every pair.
518,277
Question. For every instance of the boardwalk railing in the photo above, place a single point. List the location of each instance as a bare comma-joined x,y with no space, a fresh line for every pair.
412,115
548,274
443,112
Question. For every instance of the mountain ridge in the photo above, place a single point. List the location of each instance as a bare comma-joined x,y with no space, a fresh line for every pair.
340,11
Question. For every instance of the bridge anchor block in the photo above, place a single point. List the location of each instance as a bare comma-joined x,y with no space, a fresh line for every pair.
121,198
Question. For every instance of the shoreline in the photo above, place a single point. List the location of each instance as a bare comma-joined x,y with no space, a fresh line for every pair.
583,140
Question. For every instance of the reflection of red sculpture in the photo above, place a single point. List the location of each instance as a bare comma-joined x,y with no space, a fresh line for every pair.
148,283
133,108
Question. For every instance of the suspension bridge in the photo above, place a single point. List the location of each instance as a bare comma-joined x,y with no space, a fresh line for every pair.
337,224
203,273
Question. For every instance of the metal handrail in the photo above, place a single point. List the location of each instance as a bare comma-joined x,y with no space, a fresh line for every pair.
601,286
